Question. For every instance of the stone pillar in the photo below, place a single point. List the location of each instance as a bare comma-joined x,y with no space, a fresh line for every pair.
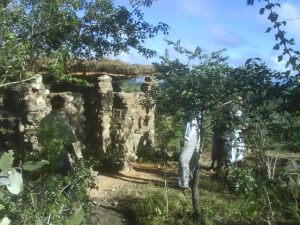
33,108
105,92
131,126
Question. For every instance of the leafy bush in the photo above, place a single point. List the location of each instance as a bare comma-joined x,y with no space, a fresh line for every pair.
55,198
242,180
284,192
169,132
46,197
154,209
13,55
49,199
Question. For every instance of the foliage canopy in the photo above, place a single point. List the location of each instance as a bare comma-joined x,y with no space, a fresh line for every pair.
73,28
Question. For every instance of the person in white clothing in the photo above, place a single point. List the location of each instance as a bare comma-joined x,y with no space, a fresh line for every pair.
237,148
189,152
236,145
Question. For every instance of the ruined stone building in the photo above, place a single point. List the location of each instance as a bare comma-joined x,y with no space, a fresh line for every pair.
101,114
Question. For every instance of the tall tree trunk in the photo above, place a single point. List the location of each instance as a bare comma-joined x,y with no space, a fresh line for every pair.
196,178
196,195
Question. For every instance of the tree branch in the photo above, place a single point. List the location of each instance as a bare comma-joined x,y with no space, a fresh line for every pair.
17,82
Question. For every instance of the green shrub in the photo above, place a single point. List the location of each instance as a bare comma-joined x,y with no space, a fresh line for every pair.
48,199
155,208
45,198
242,180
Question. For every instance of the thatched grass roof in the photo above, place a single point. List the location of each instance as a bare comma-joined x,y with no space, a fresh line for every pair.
115,68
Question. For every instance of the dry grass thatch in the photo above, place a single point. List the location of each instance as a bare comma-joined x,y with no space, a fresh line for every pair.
101,67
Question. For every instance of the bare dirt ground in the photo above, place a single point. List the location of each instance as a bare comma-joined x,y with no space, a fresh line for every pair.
113,189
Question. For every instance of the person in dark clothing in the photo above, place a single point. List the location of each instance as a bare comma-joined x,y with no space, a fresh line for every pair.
56,137
219,146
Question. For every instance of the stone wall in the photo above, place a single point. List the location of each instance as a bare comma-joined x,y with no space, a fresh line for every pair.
28,103
98,114
130,124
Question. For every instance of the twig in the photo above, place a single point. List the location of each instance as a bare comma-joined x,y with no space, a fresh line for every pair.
269,202
32,200
274,165
49,218
64,188
166,192
61,209
17,82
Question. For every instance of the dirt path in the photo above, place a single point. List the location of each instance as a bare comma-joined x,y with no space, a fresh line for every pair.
112,189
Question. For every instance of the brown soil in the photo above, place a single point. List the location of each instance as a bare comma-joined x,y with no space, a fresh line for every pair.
113,189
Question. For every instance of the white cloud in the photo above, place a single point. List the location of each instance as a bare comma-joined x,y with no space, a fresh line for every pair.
289,10
215,24
291,13
225,37
202,8
279,66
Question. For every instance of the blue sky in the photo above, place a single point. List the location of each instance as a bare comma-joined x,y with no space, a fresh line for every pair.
215,25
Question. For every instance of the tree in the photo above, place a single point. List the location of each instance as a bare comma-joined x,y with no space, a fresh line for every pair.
199,87
290,79
264,95
287,45
74,28
212,87
286,88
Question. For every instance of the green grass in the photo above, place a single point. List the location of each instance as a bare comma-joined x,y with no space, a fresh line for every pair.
218,206
152,209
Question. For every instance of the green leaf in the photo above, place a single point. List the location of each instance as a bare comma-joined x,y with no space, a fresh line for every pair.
280,58
38,222
2,207
292,41
6,160
32,166
273,16
276,47
5,221
287,73
261,11
76,218
10,36
269,29
1,194
16,182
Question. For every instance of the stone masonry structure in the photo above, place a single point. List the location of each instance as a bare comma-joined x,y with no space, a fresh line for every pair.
99,115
